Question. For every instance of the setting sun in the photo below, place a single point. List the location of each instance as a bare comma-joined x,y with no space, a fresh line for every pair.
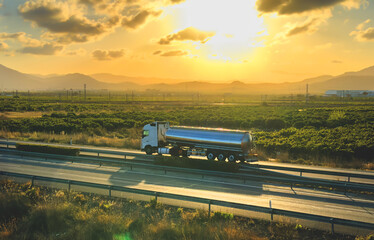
236,26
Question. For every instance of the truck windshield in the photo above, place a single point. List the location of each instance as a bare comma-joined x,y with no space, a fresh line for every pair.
145,133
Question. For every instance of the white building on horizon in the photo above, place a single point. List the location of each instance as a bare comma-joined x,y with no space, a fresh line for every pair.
349,93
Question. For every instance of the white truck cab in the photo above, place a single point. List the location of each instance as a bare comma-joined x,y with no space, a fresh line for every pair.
153,136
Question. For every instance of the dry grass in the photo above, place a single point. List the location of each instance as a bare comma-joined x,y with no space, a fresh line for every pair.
21,114
59,214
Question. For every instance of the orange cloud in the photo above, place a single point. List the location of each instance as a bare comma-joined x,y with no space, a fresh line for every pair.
363,35
139,19
45,49
176,53
104,55
190,33
285,7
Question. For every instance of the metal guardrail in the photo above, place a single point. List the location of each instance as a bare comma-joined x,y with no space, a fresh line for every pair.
289,180
210,202
315,171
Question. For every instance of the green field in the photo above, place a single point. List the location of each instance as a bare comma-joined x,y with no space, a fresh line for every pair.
324,131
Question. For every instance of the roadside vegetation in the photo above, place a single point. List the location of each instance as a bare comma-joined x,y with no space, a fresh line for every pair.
330,132
30,212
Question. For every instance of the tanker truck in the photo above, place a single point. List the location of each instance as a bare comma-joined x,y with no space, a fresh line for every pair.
233,145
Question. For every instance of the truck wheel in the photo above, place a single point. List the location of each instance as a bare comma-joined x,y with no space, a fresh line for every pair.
148,150
232,157
221,157
210,156
184,153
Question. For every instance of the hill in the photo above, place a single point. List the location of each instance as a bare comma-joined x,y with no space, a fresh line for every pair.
12,80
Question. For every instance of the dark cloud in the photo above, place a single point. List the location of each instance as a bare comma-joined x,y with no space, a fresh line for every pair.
190,33
49,17
175,53
137,20
307,27
45,49
103,55
284,7
157,52
65,25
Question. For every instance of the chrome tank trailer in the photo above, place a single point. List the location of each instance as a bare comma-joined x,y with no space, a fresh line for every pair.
210,138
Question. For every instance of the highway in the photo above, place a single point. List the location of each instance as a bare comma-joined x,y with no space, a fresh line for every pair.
320,202
143,157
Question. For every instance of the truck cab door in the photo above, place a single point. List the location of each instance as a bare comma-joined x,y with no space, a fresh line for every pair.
149,136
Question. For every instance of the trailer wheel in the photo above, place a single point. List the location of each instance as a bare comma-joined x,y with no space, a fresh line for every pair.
232,158
211,156
184,153
148,150
221,157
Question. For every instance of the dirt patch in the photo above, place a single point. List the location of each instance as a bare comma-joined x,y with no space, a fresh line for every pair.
21,114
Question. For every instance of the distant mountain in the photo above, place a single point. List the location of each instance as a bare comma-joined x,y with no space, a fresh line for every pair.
74,81
317,79
364,72
117,81
345,82
110,78
13,80
360,80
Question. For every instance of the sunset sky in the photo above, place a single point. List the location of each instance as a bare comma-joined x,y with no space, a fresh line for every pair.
210,40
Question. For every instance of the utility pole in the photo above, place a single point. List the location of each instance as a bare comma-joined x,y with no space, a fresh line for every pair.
85,92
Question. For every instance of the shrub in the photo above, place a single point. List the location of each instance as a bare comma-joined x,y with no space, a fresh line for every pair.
13,206
222,216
